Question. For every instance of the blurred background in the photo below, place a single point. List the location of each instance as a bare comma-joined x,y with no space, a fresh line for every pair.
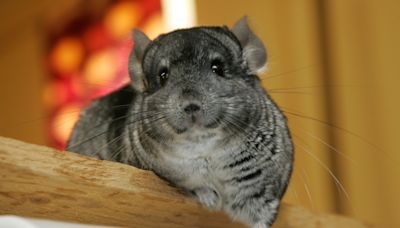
333,68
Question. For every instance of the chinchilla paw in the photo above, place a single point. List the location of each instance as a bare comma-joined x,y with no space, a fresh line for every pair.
260,225
208,197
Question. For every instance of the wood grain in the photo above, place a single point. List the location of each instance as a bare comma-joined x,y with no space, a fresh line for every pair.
41,182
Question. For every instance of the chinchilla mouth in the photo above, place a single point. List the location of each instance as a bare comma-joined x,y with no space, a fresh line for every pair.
212,125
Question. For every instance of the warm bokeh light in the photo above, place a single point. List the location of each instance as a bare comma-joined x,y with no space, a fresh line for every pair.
101,68
64,121
122,18
91,60
54,93
67,55
154,26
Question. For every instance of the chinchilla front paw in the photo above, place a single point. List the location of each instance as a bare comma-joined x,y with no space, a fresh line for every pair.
207,197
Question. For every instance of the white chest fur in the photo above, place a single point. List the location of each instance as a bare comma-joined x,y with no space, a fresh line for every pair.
193,159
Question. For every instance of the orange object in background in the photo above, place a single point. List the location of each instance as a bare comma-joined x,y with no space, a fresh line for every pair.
101,68
90,59
64,120
67,55
122,17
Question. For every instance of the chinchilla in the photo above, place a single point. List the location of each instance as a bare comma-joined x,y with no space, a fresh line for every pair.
196,115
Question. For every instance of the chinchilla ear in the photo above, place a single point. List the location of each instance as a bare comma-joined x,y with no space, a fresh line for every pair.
254,52
140,42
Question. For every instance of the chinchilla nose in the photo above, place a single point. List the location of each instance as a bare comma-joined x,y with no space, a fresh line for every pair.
191,108
191,105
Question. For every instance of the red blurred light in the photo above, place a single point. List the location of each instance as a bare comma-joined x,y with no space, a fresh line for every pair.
96,38
95,64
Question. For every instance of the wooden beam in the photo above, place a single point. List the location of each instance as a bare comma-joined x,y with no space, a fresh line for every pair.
41,182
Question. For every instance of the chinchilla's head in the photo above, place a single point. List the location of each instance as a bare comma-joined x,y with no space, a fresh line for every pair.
201,79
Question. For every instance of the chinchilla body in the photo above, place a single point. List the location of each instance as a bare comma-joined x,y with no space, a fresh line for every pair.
197,115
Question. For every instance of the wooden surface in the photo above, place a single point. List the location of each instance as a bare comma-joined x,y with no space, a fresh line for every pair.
41,182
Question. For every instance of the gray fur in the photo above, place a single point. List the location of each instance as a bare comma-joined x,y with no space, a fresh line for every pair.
207,127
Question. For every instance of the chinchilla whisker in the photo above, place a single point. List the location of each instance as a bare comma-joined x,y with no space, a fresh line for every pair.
122,134
142,133
291,92
233,130
296,195
331,147
104,132
307,190
303,116
263,143
324,166
235,122
136,117
119,151
154,117
114,140
307,180
229,119
253,147
69,115
315,87
86,140
286,73
107,85
143,136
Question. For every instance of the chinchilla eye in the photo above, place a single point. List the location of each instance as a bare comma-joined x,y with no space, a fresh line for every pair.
163,75
217,67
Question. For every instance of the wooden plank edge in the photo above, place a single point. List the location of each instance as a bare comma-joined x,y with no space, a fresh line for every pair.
37,181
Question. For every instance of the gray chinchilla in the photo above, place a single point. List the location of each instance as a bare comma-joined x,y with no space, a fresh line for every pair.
197,115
